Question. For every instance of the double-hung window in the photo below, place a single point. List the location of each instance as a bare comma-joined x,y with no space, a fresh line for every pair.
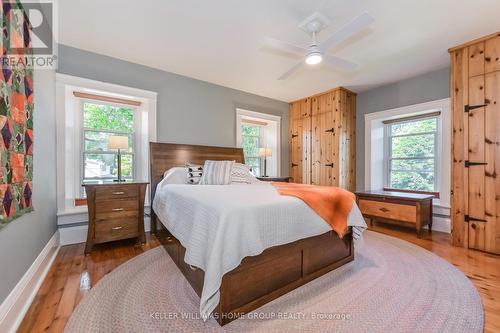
101,120
251,141
411,160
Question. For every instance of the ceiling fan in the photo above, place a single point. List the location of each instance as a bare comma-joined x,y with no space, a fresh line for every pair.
316,52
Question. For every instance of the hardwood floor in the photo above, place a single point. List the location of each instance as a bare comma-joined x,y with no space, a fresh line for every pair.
73,274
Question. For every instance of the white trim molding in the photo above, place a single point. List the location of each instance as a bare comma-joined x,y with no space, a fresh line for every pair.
14,307
374,153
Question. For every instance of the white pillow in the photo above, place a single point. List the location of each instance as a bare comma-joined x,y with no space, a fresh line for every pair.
240,173
216,173
194,173
176,175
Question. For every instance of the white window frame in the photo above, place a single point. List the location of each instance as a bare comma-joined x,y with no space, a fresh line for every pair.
69,126
388,150
374,146
242,114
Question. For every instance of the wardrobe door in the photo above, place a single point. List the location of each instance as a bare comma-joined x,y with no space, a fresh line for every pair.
492,158
476,158
300,140
346,134
306,140
459,184
295,143
324,152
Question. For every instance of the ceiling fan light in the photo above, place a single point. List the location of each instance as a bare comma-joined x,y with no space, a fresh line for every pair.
314,58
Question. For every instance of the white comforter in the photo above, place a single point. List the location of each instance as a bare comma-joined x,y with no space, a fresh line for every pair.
219,225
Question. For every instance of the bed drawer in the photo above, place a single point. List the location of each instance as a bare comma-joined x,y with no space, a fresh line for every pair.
287,269
116,229
116,209
388,210
116,192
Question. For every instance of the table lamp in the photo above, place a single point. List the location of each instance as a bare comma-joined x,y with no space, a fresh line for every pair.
118,142
265,153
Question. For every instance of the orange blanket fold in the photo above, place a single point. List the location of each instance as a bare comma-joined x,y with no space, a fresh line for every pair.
333,204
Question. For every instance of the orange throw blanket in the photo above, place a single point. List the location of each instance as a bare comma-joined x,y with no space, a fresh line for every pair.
333,204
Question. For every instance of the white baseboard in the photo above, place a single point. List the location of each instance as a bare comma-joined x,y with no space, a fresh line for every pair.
73,235
15,306
440,223
78,234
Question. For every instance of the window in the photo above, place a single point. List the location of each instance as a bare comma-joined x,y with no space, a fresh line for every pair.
411,159
99,122
256,130
251,141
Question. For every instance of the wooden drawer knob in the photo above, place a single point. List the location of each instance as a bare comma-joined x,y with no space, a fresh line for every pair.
383,209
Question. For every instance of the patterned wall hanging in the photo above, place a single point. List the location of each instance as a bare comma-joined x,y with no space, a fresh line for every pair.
16,115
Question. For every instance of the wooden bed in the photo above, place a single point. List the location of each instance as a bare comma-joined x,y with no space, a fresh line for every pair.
258,279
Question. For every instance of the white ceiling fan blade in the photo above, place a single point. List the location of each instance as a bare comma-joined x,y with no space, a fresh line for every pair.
291,71
339,63
283,46
355,26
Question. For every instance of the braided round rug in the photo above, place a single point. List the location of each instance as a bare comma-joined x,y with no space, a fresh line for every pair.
391,286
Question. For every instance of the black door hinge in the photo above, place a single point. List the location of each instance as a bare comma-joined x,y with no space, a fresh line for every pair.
467,108
468,218
469,164
329,165
294,135
331,130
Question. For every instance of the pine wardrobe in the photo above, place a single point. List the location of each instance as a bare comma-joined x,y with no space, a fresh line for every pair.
322,139
475,193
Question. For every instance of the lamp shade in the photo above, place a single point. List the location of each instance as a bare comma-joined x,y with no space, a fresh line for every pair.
117,142
265,152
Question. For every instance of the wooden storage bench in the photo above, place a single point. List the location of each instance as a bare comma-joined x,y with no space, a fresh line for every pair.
396,207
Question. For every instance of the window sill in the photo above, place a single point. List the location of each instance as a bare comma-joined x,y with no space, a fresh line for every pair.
72,211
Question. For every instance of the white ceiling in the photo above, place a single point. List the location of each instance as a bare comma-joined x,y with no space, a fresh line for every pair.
218,40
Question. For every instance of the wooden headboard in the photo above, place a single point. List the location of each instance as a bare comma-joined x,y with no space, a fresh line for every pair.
163,156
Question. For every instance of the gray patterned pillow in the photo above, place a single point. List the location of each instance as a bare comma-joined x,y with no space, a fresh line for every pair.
240,173
194,173
216,173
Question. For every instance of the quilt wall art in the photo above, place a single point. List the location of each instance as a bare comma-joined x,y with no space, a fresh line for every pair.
16,115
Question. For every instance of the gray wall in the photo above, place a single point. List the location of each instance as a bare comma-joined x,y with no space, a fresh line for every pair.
22,239
420,89
189,111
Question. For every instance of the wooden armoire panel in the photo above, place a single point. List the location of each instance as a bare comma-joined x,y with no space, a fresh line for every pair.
324,147
476,182
476,59
300,140
475,84
492,158
347,139
324,153
459,174
492,54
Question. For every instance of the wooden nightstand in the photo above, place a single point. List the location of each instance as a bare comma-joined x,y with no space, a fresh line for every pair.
274,179
116,211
